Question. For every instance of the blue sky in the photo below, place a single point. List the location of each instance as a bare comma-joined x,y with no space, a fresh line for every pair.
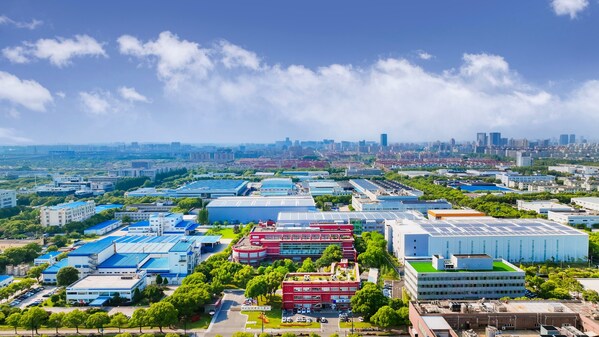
248,71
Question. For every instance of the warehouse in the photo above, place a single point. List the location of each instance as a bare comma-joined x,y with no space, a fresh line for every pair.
103,227
205,189
590,203
277,187
255,209
515,240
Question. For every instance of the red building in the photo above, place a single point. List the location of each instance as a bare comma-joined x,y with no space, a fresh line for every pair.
332,290
297,243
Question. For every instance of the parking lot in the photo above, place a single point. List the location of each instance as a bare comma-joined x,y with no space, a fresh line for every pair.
33,297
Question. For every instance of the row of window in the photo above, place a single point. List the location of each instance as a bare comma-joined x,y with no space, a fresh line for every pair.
323,289
469,278
502,292
472,285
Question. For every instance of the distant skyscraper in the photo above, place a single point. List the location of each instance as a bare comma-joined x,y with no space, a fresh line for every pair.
572,139
383,139
481,139
564,139
494,139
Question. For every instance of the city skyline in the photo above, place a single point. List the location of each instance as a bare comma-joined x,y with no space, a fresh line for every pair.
201,73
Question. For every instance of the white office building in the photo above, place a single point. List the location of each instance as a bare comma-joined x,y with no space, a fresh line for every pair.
574,218
515,240
62,214
512,179
95,290
543,206
463,277
8,198
590,203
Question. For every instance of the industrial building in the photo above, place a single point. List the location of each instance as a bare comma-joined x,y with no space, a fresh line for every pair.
8,198
462,277
5,280
49,258
322,290
362,221
95,290
205,189
386,195
574,218
63,214
172,257
515,240
103,227
324,187
255,209
277,187
512,179
273,242
543,206
590,203
163,224
49,274
435,214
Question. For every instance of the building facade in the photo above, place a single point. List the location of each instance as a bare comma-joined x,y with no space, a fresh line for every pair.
255,209
574,218
63,214
8,198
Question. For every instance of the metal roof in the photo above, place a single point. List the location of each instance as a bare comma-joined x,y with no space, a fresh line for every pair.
346,216
261,201
68,205
154,264
213,185
94,247
53,269
210,239
124,260
103,225
48,255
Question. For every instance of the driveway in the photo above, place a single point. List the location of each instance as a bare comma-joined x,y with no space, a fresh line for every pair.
228,319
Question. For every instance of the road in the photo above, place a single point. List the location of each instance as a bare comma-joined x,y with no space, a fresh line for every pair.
228,319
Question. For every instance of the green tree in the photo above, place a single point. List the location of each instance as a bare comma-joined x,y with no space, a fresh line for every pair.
14,320
242,334
153,293
385,317
308,266
288,334
162,314
75,319
373,257
33,318
256,287
36,271
203,216
367,300
243,276
97,320
55,320
331,254
66,276
139,318
164,281
590,296
403,316
119,320
158,279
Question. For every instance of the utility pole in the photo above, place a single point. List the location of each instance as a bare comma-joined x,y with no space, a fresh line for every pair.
262,319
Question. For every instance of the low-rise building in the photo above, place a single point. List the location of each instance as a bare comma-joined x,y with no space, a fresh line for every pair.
8,198
435,214
543,206
574,218
471,276
163,224
510,179
49,258
322,290
255,209
5,280
590,203
63,214
325,187
95,290
103,227
277,187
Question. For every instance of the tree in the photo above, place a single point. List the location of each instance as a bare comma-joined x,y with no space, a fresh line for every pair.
36,271
33,318
385,317
243,276
203,216
75,319
590,296
331,254
137,296
195,278
308,266
403,316
97,320
153,293
139,318
367,300
373,257
256,287
158,279
288,334
242,334
14,320
55,320
119,320
171,334
164,281
162,314
66,276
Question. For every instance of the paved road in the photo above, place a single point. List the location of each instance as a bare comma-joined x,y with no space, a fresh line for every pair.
228,319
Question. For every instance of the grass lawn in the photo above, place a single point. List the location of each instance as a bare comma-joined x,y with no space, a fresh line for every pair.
227,233
427,267
202,323
357,325
274,318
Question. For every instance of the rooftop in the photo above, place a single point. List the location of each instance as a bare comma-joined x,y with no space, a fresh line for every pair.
154,264
436,323
101,208
68,205
339,272
345,216
103,225
209,185
48,255
104,282
4,277
94,247
427,267
124,260
53,269
594,200
258,201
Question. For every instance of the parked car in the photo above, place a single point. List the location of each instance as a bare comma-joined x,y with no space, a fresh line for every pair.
323,320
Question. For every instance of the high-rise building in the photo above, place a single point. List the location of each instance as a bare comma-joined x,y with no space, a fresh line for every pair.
564,139
523,159
8,198
572,139
383,139
494,139
481,139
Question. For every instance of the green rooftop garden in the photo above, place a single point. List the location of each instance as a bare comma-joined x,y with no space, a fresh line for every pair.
427,267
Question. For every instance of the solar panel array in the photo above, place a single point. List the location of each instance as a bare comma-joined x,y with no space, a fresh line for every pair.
303,201
495,227
345,216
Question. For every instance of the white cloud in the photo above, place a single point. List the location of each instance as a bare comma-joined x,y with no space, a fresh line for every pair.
33,24
96,102
424,55
27,93
61,94
235,56
10,136
58,52
131,95
569,7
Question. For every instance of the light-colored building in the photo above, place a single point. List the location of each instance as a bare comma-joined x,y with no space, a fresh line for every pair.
590,203
63,214
386,195
95,290
435,214
325,187
574,218
523,159
8,198
515,240
512,179
49,258
103,227
462,277
163,224
248,209
277,187
543,206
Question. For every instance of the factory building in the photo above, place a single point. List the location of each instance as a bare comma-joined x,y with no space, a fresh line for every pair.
590,203
272,243
435,214
462,277
361,221
320,290
324,187
574,218
543,206
277,187
205,189
63,214
163,224
515,240
49,258
103,227
255,209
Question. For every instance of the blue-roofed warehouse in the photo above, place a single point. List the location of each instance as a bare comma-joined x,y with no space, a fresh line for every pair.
248,209
205,189
49,274
49,258
103,227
